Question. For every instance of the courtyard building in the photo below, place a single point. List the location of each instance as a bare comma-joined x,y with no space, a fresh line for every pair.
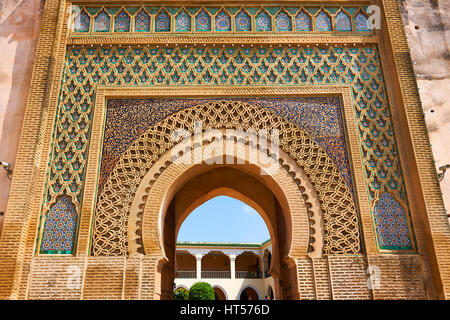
236,271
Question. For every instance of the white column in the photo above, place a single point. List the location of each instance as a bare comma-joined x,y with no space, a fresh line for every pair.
199,257
232,265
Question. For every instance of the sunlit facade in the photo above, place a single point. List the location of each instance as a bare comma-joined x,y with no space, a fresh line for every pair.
308,112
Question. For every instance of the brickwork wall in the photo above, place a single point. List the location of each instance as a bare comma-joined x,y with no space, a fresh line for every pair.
429,201
329,277
50,277
132,277
21,200
104,278
305,279
149,265
92,278
348,277
322,278
401,277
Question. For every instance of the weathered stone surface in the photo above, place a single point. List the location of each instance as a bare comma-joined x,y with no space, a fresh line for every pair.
427,25
19,31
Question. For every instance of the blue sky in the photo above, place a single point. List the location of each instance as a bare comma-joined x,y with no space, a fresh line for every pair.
224,219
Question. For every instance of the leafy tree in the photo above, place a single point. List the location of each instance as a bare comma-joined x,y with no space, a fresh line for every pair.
181,294
201,291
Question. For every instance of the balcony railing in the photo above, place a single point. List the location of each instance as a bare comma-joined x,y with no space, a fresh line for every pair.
248,275
221,275
216,274
186,274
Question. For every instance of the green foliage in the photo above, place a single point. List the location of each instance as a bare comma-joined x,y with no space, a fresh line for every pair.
201,291
181,294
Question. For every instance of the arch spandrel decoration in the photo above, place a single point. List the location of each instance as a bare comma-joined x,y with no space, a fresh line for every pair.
126,66
320,117
342,231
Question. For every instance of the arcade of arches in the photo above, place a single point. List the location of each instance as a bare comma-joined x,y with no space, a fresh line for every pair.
230,268
141,112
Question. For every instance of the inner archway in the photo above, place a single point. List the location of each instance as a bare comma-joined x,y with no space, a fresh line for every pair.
223,219
227,238
178,188
219,294
242,184
269,293
249,294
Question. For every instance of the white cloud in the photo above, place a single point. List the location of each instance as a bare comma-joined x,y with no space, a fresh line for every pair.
249,209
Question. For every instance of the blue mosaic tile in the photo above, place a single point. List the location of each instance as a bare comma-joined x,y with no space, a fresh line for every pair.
320,117
391,224
223,21
343,22
162,22
142,22
60,228
263,22
102,22
283,22
361,22
203,21
243,21
323,21
82,22
122,22
303,21
183,22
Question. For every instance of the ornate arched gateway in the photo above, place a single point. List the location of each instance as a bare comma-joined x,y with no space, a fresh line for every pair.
305,111
285,197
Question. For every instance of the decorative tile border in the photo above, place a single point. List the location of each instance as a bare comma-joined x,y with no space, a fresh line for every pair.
153,20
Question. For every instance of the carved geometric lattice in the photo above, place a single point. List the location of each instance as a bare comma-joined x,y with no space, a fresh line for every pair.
340,218
320,117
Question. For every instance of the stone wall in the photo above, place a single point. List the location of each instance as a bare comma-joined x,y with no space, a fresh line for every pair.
340,277
427,24
19,31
